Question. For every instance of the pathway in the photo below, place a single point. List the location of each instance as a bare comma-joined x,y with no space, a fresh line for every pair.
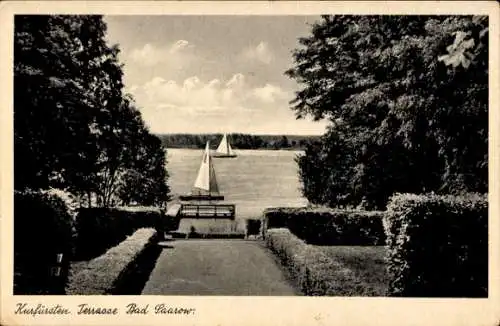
217,267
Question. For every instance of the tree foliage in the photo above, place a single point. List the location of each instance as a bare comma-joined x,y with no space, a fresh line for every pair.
407,97
74,128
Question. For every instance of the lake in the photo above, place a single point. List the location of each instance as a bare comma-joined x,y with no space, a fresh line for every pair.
254,180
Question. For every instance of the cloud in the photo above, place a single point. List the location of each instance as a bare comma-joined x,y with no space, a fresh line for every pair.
194,99
179,46
270,93
261,53
193,92
237,81
150,55
192,95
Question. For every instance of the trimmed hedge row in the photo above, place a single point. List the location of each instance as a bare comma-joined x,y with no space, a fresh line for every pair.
253,226
101,228
438,245
196,235
43,228
103,274
314,272
329,226
48,223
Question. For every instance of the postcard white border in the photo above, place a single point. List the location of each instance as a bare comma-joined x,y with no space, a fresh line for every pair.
252,310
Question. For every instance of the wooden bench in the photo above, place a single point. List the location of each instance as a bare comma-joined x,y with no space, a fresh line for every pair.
208,210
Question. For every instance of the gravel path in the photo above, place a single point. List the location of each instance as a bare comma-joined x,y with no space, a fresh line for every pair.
217,267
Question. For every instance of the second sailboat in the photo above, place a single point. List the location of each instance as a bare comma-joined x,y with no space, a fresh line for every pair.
224,149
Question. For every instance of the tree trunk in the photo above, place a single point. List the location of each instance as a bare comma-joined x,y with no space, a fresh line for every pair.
89,196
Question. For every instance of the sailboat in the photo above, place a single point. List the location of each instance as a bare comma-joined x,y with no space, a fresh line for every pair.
205,186
224,149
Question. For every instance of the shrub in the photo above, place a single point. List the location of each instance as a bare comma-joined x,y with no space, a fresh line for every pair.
43,228
71,202
101,228
278,217
314,272
253,226
438,245
104,273
323,226
196,235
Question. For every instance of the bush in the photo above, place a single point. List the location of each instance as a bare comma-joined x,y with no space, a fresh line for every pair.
103,274
322,226
71,202
438,245
278,217
196,235
253,226
43,228
314,272
101,228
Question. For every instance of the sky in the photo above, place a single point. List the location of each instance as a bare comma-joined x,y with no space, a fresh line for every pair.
212,74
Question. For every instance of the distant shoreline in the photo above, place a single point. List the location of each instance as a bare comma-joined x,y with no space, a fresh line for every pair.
236,133
291,149
239,141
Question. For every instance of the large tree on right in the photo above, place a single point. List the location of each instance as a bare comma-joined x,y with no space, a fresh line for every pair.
407,98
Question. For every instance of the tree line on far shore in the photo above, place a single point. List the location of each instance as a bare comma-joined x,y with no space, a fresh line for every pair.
74,126
238,141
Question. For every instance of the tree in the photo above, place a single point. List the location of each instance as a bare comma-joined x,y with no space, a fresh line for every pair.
49,97
283,143
145,180
407,121
74,128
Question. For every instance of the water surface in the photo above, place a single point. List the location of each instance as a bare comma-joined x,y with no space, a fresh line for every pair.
254,180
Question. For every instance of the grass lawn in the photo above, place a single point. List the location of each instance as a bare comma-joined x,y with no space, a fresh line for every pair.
367,262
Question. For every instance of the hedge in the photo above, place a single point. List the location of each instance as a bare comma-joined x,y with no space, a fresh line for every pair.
43,228
101,228
102,274
438,245
196,235
72,203
323,226
253,226
315,273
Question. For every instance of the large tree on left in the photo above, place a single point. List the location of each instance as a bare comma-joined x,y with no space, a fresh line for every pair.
74,127
57,77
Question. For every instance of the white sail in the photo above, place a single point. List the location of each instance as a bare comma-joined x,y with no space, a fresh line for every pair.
206,174
224,147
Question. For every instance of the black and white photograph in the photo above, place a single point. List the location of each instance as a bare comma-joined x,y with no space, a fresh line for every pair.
172,156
